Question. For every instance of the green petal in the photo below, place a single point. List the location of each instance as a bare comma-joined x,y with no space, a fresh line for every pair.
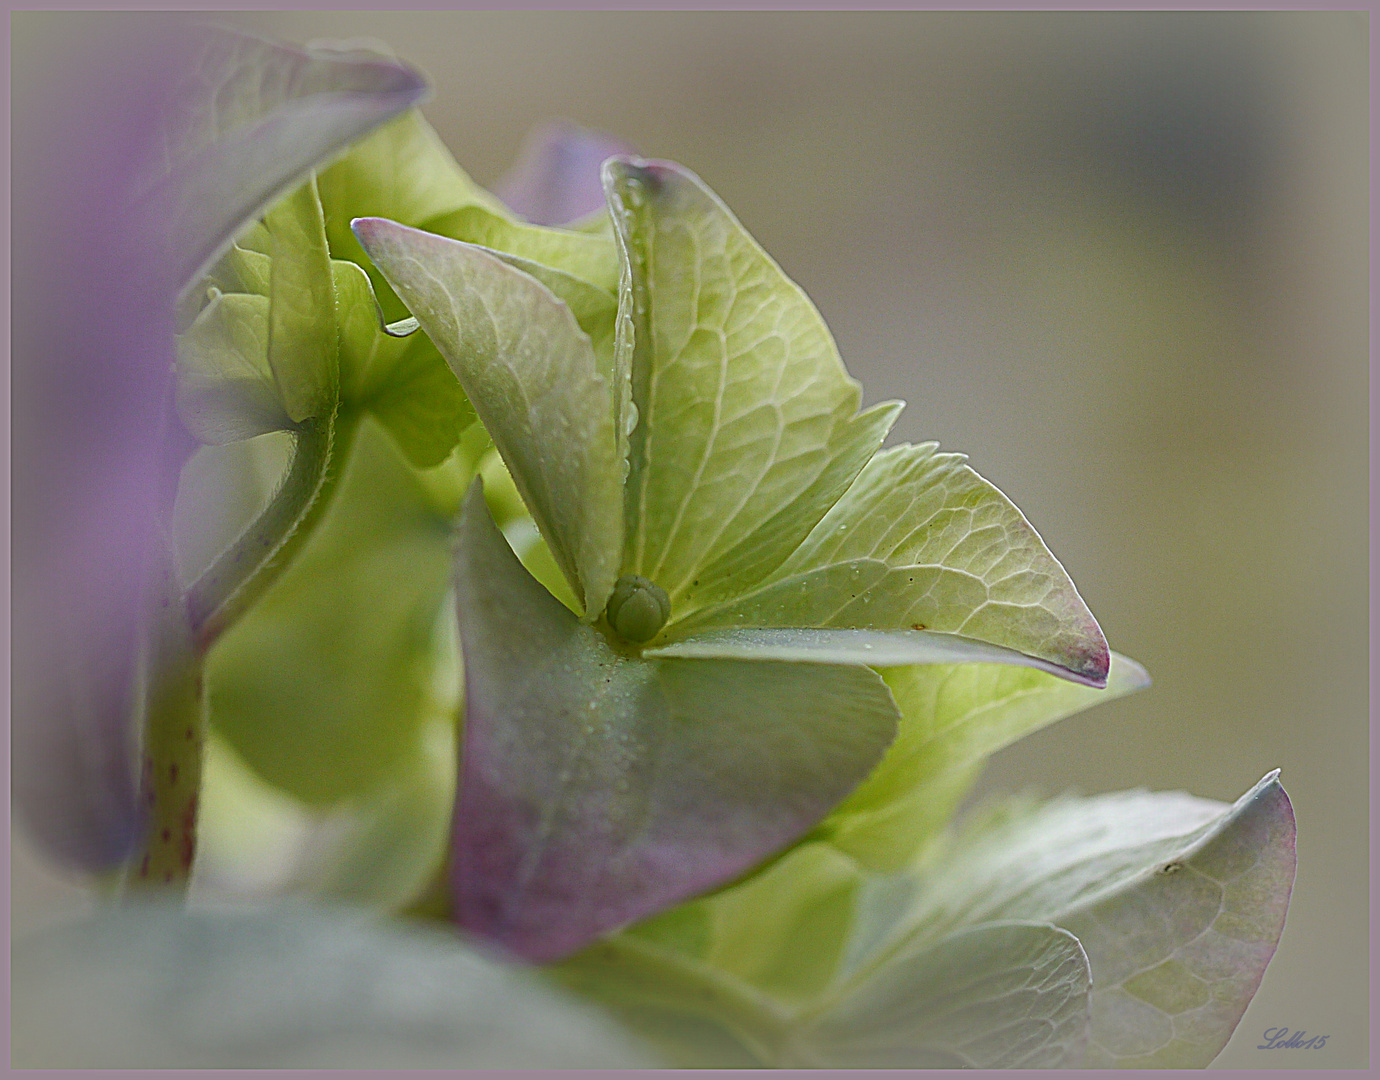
1179,903
302,346
535,382
381,848
920,541
953,716
148,985
750,976
402,379
594,308
781,930
590,257
385,848
1003,996
399,377
225,389
402,172
599,788
747,425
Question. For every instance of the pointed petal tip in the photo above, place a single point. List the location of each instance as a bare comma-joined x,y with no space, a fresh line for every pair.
654,172
1090,660
1268,791
366,228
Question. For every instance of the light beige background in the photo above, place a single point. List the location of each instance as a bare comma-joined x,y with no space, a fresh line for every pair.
1121,261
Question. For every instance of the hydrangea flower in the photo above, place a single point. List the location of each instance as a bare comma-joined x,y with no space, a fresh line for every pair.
724,688
738,551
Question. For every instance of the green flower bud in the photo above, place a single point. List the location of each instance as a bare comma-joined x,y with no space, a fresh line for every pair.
638,608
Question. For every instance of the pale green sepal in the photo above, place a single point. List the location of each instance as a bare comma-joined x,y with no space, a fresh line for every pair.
402,172
1178,956
754,557
302,347
368,354
793,954
745,422
953,716
254,237
397,374
381,848
151,985
422,405
243,268
1179,903
225,390
533,378
694,1015
595,309
920,541
393,371
1002,996
588,256
385,848
717,982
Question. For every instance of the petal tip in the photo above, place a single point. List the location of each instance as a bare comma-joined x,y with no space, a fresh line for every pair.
366,228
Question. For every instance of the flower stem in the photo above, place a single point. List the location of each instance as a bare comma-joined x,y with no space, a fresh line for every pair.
173,737
182,628
243,572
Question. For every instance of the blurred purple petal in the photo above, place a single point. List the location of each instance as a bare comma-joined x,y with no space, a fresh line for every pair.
255,116
95,454
555,180
91,362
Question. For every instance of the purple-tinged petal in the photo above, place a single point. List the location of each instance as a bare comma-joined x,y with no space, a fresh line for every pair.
251,119
599,788
92,359
555,180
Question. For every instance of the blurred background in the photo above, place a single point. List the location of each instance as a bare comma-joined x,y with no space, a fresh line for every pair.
1118,259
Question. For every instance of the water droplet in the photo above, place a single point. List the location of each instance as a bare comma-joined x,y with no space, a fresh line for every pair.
630,420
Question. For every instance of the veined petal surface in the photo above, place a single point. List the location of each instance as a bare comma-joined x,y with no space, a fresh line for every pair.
532,375
746,426
920,541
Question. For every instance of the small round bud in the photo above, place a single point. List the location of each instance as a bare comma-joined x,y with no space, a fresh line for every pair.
638,608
